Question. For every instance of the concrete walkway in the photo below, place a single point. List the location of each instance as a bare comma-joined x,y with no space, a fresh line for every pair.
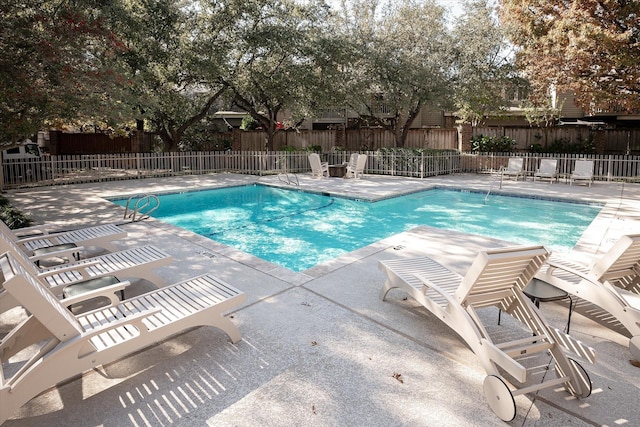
319,347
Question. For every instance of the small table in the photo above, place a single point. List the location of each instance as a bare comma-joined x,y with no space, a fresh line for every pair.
337,170
541,291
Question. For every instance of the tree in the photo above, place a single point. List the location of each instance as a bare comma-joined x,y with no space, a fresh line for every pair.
485,75
590,48
401,61
59,62
175,54
280,61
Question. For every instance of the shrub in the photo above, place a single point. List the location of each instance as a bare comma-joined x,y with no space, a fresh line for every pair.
249,123
488,144
12,216
564,145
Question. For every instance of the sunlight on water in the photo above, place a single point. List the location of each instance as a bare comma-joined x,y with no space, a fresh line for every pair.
299,230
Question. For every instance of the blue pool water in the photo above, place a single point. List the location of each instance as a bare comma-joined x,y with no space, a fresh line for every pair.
299,230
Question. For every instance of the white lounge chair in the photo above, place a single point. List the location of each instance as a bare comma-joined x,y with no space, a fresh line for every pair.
318,169
40,242
547,170
353,160
496,278
357,171
582,172
68,345
515,168
611,283
81,276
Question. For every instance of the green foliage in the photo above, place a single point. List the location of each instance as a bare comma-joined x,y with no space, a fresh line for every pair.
586,48
483,67
564,145
249,123
12,216
492,144
411,160
60,60
314,149
400,61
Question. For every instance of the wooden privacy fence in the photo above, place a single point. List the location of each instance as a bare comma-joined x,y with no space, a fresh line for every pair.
73,169
351,140
614,141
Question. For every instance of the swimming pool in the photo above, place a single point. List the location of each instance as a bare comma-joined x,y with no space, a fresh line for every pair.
298,230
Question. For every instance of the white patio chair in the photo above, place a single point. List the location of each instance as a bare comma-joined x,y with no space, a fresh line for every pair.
582,172
318,169
547,170
40,241
357,171
515,168
81,276
496,278
66,345
611,283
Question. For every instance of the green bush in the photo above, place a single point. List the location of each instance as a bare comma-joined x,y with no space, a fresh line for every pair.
564,145
492,144
12,216
409,159
315,149
249,123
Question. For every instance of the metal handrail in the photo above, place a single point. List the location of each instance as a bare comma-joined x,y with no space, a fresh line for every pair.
138,213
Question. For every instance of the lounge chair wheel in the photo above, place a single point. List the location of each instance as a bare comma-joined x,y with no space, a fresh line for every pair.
634,347
499,397
583,378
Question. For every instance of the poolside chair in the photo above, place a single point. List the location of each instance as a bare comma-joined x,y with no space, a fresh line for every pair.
40,242
496,278
318,169
353,160
91,273
582,172
611,283
357,171
67,345
515,168
547,170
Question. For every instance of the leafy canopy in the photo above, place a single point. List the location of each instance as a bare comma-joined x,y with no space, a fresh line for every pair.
590,48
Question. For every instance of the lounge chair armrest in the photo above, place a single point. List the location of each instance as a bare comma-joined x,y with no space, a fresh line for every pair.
106,291
133,319
60,253
33,230
74,266
558,265
428,284
36,237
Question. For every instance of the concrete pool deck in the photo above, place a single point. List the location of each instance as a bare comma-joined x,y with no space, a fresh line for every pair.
319,347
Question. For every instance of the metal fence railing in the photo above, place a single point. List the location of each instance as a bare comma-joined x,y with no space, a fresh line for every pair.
73,169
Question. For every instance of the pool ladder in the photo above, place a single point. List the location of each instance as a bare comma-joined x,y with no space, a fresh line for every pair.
142,208
286,177
494,178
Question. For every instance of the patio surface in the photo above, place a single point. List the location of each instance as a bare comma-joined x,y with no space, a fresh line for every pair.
319,347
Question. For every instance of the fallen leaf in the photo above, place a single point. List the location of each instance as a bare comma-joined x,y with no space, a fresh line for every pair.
635,363
314,343
398,377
